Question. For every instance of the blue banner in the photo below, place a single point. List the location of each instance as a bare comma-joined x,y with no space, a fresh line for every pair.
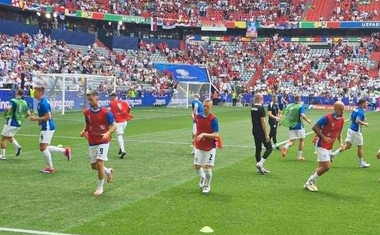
75,101
7,94
308,101
185,73
359,24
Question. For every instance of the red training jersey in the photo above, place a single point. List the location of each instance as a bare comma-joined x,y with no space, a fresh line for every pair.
120,110
98,123
331,127
209,125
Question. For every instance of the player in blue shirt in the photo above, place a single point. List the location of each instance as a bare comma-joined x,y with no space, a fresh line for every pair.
354,133
45,120
197,109
281,102
297,131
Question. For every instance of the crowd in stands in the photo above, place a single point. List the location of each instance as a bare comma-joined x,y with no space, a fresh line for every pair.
287,65
191,10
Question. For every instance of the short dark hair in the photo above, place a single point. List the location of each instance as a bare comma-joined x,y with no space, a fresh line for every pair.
362,101
20,92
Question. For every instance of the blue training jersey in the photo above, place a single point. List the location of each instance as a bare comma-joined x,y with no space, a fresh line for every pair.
358,113
42,109
12,121
299,125
198,106
279,99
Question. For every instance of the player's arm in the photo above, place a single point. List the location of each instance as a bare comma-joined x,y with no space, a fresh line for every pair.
360,116
194,113
303,115
270,113
317,128
263,122
112,124
43,118
215,130
12,106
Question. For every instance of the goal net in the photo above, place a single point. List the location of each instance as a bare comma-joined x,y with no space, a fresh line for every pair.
67,92
188,80
183,94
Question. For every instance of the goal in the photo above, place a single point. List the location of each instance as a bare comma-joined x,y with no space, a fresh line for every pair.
189,80
183,94
67,92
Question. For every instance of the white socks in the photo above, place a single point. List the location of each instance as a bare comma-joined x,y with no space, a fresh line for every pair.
47,156
107,171
15,143
208,174
313,177
120,141
201,173
56,149
100,184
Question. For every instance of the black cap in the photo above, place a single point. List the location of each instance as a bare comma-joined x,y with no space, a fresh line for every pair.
113,94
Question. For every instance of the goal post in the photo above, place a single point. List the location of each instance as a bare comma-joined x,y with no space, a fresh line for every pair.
183,93
67,92
189,80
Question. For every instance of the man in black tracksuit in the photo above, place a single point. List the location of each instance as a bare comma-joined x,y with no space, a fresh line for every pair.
273,119
260,133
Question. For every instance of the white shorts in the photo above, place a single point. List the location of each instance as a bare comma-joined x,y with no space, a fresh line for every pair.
194,128
46,136
121,127
202,157
297,134
98,152
354,137
9,131
323,154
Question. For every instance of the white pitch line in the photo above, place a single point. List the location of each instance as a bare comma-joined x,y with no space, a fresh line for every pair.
14,230
136,118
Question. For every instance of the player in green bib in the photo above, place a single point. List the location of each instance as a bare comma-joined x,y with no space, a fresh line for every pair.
15,115
292,118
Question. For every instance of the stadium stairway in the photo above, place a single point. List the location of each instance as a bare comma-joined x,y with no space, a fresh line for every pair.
259,70
318,8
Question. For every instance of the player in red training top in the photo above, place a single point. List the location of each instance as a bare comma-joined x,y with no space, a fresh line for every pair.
100,125
328,129
120,110
205,143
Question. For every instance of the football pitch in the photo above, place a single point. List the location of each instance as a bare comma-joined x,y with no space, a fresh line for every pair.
155,190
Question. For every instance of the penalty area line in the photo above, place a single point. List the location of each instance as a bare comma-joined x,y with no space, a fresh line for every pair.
36,232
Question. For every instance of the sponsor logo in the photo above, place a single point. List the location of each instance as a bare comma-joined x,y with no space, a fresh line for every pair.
329,107
104,102
3,104
160,102
183,74
134,102
175,101
58,104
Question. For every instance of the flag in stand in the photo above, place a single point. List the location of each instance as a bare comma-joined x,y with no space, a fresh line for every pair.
251,30
153,24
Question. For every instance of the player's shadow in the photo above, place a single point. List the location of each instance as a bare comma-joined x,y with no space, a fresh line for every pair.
337,196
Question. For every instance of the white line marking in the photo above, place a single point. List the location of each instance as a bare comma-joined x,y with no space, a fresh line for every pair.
136,118
14,230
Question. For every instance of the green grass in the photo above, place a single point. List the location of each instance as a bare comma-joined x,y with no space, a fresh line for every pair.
155,190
